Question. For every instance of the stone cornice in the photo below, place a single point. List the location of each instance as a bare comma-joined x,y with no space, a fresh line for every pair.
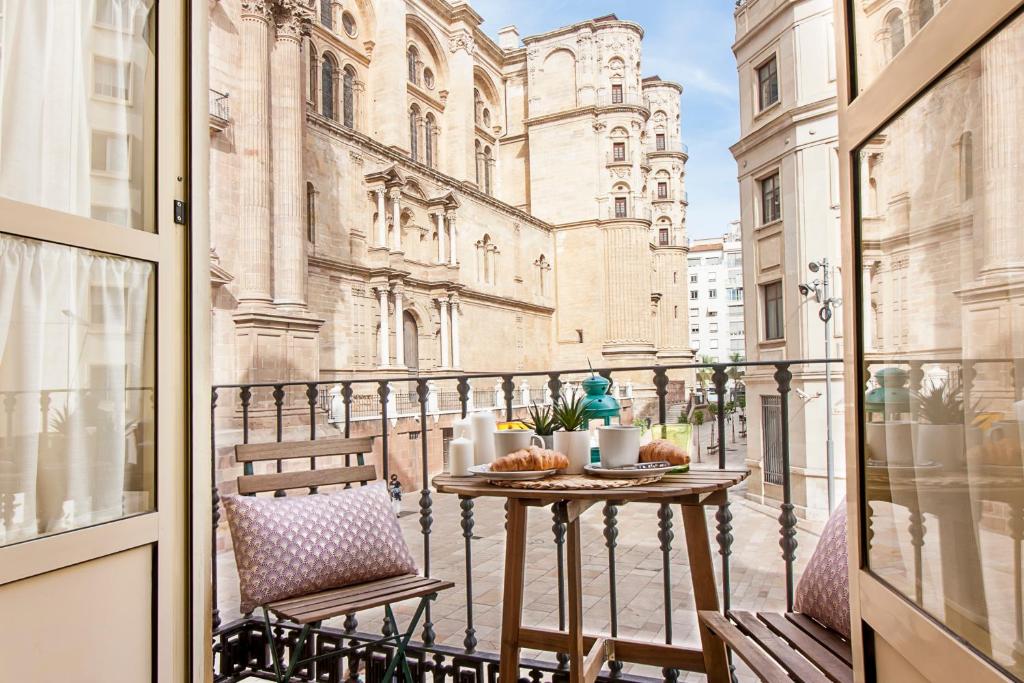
592,24
791,117
593,110
661,83
388,155
324,35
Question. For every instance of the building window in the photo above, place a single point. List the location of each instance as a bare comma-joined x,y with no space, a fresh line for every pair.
488,171
897,36
412,56
348,101
310,212
693,279
110,153
111,79
659,142
326,18
348,23
694,293
694,312
768,84
713,344
428,78
663,237
662,190
414,115
693,262
618,151
712,293
712,327
695,329
429,133
771,200
620,207
712,276
616,93
327,86
735,293
923,13
773,311
312,76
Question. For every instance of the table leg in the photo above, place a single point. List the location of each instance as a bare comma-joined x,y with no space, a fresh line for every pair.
515,574
575,586
705,589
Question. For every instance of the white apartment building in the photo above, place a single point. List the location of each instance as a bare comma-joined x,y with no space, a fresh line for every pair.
788,168
715,266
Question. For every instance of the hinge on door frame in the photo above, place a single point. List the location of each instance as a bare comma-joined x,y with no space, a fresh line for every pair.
180,212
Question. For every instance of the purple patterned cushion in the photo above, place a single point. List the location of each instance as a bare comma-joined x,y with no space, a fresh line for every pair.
286,547
824,589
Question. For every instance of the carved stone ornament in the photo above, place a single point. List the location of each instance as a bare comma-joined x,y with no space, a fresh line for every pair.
462,41
258,9
293,20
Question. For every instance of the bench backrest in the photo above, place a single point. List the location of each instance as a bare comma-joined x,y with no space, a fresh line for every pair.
250,484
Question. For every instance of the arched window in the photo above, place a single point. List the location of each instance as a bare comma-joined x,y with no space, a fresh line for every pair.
310,212
348,101
429,133
922,13
487,118
479,162
412,56
488,170
312,76
897,38
478,107
327,86
326,17
414,115
967,165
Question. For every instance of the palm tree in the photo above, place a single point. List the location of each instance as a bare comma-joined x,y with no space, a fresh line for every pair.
734,371
704,374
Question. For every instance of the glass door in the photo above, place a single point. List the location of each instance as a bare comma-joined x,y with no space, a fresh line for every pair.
92,350
934,165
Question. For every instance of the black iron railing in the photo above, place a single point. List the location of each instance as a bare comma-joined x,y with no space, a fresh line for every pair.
239,647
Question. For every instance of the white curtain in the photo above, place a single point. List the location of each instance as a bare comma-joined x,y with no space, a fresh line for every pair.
76,384
55,100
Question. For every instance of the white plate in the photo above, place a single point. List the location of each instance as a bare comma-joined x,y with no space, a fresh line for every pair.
595,470
484,471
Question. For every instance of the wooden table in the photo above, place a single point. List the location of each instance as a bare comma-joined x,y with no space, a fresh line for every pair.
587,653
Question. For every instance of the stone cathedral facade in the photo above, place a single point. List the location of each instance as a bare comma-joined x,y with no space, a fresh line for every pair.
394,192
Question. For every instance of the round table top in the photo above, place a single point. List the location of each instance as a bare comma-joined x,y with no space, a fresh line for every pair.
694,485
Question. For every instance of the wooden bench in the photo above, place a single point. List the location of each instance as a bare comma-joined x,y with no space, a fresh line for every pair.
309,611
781,648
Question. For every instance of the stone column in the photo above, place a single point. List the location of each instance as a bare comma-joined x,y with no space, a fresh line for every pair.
868,313
287,118
459,109
390,89
383,354
1002,61
382,219
440,237
443,304
456,348
396,219
253,139
399,328
453,238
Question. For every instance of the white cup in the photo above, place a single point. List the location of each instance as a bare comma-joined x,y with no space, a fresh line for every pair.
619,444
512,440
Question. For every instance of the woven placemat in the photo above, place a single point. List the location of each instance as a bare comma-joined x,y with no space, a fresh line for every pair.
562,482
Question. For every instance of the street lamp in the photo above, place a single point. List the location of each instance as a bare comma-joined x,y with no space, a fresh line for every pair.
820,290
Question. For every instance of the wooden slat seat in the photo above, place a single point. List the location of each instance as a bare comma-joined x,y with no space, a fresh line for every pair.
336,602
784,647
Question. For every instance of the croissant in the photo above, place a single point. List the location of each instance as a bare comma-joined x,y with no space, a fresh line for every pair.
660,449
530,460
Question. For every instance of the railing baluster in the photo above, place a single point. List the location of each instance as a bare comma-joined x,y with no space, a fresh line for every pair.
279,416
723,517
661,386
215,505
426,503
611,534
508,386
558,528
312,394
665,536
245,396
917,532
787,519
464,393
44,426
467,533
382,391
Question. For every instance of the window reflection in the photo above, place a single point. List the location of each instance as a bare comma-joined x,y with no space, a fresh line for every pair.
942,316
883,29
76,108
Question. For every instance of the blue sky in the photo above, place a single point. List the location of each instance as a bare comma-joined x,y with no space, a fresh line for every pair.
687,41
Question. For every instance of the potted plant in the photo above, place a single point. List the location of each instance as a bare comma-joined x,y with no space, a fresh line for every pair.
940,428
542,422
572,437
